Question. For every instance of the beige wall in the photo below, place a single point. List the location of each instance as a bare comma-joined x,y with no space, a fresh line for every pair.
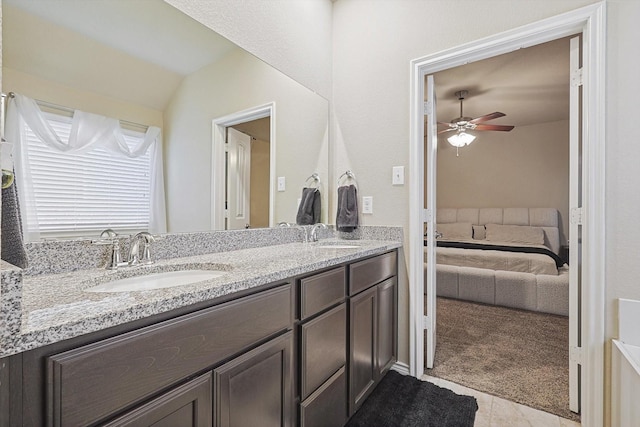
259,184
235,83
527,167
38,56
53,53
51,91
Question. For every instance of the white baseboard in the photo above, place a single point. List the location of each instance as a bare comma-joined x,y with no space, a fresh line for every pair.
401,368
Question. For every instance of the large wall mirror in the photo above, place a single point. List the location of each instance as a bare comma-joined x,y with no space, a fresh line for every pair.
146,62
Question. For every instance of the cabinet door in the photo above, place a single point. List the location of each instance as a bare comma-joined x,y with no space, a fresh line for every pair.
362,344
387,325
96,381
188,405
255,389
323,348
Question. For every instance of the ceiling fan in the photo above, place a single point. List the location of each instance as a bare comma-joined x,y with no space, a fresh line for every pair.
463,124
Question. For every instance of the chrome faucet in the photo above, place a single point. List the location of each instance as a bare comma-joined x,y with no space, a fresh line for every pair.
134,249
314,231
110,237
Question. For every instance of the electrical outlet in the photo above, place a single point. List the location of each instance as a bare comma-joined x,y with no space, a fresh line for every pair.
367,205
281,183
398,175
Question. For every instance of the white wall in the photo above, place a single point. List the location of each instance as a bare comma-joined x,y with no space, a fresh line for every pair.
237,82
527,167
623,158
293,36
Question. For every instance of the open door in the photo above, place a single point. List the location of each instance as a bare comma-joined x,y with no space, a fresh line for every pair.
575,223
238,180
430,219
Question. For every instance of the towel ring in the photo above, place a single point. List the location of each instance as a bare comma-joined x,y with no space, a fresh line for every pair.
315,180
349,175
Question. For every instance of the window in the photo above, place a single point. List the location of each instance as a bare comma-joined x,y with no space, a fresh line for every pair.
83,194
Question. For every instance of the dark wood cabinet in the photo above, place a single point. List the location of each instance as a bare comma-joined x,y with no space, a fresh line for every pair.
362,346
322,335
95,381
188,405
305,353
387,336
255,388
323,348
372,325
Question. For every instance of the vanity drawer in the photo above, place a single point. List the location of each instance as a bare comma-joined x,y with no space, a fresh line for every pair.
327,406
92,382
323,348
367,273
321,291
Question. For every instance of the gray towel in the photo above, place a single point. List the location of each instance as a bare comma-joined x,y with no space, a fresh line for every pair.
13,250
309,209
347,217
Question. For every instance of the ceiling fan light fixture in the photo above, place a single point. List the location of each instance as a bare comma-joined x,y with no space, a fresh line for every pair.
461,139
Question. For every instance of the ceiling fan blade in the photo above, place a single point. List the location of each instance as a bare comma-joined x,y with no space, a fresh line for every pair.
487,117
446,130
503,128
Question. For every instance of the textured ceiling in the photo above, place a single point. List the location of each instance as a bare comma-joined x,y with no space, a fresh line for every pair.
529,85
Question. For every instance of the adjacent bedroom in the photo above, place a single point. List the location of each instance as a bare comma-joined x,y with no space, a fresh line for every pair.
502,221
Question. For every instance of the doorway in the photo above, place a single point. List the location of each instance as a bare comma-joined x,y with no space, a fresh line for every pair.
589,21
505,170
251,161
247,175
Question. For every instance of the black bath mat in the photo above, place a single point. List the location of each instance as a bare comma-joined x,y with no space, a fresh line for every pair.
405,401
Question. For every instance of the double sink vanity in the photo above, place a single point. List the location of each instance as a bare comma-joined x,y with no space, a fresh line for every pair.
283,334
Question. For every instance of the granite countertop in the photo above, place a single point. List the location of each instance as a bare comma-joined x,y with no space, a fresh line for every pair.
55,307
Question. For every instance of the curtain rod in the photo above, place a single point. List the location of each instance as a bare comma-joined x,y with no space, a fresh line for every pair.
71,110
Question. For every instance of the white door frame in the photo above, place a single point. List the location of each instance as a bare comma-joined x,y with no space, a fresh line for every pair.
430,219
219,127
590,21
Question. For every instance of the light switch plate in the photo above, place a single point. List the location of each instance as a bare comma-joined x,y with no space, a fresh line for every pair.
367,205
281,183
398,175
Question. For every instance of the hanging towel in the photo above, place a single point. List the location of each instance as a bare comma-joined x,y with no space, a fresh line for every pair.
347,217
13,250
309,208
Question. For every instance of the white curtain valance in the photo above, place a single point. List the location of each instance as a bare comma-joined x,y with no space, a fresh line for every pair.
87,130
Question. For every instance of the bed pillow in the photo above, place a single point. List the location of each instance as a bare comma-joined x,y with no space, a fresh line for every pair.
479,232
455,231
522,234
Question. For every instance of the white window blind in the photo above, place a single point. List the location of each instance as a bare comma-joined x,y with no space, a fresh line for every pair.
83,194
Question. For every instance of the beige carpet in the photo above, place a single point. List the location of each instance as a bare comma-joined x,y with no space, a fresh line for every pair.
514,354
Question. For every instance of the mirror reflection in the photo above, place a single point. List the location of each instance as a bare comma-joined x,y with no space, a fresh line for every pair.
145,62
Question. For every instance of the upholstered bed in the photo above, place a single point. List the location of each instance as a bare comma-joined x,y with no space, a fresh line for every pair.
502,256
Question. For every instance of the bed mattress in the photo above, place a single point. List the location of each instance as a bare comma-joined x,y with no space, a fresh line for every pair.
522,262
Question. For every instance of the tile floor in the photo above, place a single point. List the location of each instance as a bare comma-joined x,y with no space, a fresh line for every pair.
497,412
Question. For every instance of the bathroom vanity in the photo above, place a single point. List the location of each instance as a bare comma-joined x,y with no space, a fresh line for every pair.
293,334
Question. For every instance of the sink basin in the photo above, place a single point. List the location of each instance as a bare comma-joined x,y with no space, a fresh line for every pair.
168,279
